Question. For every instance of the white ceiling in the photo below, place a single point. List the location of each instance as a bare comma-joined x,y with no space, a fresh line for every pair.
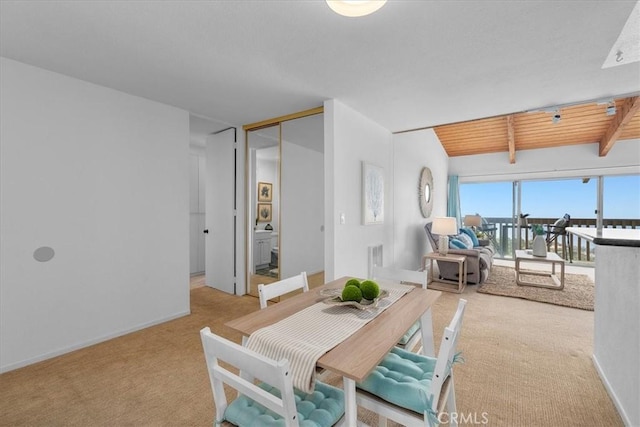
412,64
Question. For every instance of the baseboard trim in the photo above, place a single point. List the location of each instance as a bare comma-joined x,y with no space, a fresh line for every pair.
60,352
612,394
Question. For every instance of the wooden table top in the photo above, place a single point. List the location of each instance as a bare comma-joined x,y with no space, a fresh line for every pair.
355,357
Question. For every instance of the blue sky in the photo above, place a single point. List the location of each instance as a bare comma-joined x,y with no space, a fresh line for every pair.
555,198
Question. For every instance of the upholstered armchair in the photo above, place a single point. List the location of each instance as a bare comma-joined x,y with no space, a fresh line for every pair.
479,260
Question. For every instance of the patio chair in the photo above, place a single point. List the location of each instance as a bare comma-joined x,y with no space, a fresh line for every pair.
412,389
281,287
489,229
271,402
559,230
418,278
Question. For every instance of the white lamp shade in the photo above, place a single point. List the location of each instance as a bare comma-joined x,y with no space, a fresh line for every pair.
445,226
472,220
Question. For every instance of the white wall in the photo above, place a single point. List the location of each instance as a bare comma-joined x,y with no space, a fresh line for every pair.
302,235
558,162
412,152
102,177
351,138
616,342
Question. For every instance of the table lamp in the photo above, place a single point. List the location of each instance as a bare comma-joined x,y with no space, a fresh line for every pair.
444,226
472,221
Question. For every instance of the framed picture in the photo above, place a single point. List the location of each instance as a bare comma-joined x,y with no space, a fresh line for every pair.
372,194
264,191
264,212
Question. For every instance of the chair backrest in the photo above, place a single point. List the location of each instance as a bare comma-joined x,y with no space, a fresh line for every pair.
401,275
446,353
561,223
248,362
433,238
275,289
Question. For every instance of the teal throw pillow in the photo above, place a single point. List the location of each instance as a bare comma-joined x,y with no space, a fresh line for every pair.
469,232
468,243
456,244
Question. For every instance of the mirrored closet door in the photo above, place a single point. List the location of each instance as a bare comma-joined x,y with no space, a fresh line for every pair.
285,192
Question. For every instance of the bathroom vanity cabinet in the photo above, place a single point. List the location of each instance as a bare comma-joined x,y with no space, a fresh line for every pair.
262,248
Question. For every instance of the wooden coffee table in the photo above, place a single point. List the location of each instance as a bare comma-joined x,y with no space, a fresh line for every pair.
551,258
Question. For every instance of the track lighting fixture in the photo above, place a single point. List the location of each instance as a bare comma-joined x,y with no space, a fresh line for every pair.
611,109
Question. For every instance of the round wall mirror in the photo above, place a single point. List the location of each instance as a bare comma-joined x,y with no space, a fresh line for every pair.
425,192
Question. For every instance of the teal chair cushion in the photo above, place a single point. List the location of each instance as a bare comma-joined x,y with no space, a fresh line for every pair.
322,408
407,336
399,377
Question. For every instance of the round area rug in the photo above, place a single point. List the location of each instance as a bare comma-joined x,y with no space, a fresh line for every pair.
577,293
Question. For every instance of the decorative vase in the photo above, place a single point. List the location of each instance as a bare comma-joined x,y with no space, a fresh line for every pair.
539,246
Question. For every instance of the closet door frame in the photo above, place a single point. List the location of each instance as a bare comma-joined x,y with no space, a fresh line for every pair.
276,121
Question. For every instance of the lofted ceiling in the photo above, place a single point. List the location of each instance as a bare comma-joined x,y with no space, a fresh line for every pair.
578,124
412,64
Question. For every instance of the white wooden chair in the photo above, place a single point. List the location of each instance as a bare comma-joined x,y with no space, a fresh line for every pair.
281,287
418,278
413,389
275,393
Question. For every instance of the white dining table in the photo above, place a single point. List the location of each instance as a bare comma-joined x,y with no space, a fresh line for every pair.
356,356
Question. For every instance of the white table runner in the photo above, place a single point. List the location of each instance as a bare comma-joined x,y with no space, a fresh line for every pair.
304,337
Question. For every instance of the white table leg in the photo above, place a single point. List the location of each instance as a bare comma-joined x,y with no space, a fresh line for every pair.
350,405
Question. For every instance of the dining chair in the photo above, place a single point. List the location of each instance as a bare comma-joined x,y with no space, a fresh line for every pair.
281,287
270,402
413,389
418,278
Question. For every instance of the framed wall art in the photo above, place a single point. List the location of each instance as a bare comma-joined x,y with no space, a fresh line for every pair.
264,212
372,194
264,191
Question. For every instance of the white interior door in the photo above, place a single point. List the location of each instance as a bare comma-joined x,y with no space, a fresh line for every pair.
220,189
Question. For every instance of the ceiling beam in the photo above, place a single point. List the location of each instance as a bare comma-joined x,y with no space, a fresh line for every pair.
624,115
511,136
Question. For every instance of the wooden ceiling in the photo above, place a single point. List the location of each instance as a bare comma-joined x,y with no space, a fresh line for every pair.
579,124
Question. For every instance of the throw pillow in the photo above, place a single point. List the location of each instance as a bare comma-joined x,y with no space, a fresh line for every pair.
469,232
456,244
468,243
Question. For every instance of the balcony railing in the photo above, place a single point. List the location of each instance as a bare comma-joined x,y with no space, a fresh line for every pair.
505,236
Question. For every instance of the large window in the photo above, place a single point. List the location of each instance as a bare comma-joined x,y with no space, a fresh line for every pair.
553,199
489,199
621,197
547,200
493,201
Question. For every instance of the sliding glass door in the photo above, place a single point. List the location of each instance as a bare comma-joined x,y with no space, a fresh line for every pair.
493,201
545,201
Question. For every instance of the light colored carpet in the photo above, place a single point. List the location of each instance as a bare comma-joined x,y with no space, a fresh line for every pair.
526,364
578,289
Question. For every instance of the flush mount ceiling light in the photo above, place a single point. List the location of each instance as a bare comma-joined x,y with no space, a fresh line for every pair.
355,8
